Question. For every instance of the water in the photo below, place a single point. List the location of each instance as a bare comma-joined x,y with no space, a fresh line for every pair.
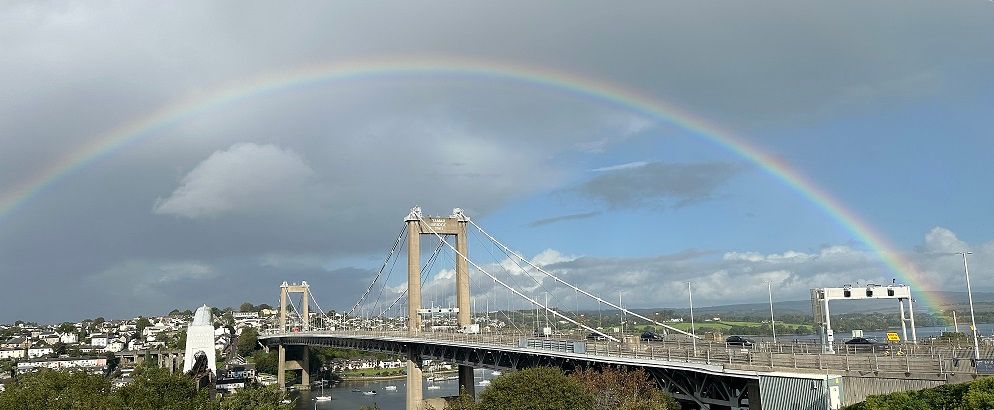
983,329
344,398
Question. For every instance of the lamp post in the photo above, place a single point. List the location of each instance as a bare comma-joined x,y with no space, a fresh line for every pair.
773,322
973,320
693,329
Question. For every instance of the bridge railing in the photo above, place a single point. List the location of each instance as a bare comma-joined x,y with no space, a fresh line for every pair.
937,360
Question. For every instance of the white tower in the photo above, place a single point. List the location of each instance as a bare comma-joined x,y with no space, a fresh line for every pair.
200,339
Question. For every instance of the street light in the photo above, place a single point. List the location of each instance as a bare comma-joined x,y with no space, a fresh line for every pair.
693,329
973,320
773,322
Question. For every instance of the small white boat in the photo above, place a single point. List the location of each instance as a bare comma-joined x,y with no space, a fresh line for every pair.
484,382
369,393
496,373
322,397
434,387
390,388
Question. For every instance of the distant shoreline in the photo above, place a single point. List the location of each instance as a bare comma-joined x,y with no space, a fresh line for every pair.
382,378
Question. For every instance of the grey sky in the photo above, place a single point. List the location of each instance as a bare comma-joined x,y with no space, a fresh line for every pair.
313,183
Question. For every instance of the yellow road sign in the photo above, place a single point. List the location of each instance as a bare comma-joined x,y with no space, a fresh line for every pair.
893,337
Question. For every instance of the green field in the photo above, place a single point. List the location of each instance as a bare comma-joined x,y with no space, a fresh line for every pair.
724,326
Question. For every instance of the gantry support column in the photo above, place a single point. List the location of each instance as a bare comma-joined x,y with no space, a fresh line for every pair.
467,381
415,394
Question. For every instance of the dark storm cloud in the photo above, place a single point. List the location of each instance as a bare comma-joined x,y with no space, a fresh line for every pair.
658,184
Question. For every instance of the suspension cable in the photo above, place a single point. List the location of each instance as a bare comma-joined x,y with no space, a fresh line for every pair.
429,264
557,279
533,301
400,237
379,295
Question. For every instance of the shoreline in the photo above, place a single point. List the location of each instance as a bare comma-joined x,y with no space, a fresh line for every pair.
384,378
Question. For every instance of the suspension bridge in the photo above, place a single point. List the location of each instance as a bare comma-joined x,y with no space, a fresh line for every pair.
520,327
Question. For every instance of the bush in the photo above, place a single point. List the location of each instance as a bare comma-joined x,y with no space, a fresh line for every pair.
619,389
49,389
540,388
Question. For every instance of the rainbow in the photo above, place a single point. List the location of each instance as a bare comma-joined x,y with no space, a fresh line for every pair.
604,92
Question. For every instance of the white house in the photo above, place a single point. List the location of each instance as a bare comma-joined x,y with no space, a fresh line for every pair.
39,350
98,340
69,338
115,346
50,338
12,353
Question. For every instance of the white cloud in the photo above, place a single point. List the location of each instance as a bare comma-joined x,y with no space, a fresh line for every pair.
244,177
942,240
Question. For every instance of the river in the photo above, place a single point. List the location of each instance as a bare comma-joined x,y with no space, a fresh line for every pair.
344,398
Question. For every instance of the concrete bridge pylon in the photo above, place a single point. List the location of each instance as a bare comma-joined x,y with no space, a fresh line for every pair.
444,226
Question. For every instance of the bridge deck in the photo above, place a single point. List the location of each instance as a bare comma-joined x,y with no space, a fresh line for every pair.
928,362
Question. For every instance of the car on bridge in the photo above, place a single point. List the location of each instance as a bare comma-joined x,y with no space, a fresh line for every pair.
650,336
739,341
864,344
596,337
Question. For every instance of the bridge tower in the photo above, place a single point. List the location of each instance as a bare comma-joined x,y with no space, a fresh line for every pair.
301,354
452,225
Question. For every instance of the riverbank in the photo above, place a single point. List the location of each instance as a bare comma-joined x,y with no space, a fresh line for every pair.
363,378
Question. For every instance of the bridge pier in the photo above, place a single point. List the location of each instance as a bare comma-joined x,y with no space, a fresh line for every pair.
303,363
415,380
467,381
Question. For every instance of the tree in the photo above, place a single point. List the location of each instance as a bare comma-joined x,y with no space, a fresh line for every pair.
175,312
112,362
50,389
265,362
980,394
247,342
539,388
246,307
618,389
142,324
155,388
228,319
66,328
260,398
177,341
895,401
463,402
7,367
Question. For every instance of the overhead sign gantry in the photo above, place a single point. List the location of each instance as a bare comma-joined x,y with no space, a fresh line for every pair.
822,315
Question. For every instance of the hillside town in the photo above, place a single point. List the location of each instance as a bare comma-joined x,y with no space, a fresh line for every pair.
115,348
